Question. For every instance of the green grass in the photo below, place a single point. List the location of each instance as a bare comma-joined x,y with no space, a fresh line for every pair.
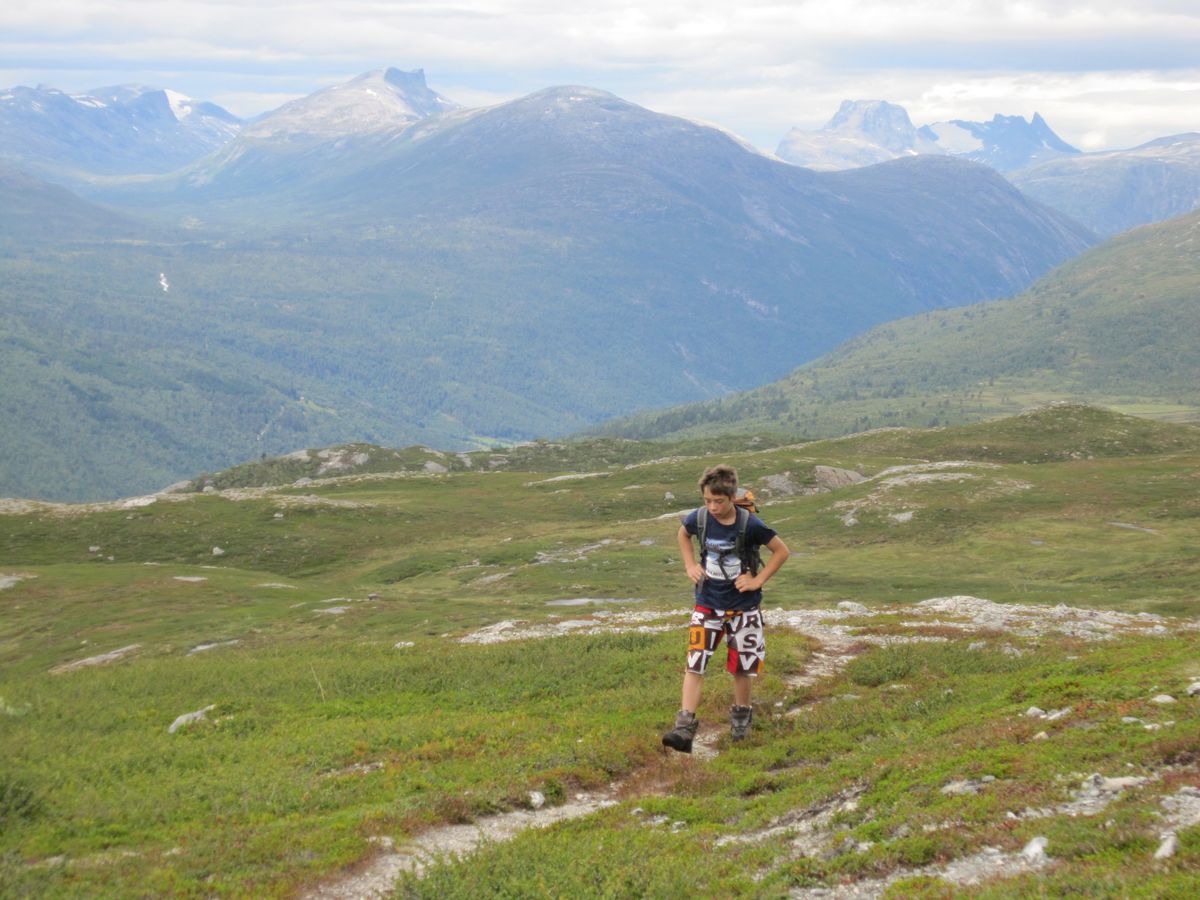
263,798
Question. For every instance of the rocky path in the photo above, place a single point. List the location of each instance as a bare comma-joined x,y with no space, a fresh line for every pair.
378,876
809,830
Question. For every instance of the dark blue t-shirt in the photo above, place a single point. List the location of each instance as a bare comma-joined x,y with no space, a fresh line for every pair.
721,564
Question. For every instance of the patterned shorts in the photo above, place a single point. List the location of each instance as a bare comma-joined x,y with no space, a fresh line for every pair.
745,645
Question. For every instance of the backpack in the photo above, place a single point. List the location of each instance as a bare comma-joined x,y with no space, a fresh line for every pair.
745,503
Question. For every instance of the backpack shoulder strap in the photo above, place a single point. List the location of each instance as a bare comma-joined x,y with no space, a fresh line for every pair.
701,531
743,519
751,561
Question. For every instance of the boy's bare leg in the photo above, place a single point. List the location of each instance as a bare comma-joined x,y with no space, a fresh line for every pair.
693,684
741,689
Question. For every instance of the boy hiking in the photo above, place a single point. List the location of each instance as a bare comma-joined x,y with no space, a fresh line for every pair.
728,580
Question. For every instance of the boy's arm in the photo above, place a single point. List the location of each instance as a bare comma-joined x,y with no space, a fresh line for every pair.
693,569
779,555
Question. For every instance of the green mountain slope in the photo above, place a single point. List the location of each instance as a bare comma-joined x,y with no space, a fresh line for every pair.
968,650
1119,326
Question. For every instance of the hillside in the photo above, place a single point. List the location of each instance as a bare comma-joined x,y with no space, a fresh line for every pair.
1114,191
1117,326
37,211
500,275
981,677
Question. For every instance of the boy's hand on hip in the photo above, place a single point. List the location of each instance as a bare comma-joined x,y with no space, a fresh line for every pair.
747,582
696,573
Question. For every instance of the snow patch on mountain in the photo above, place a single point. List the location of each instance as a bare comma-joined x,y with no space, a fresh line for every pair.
180,105
955,139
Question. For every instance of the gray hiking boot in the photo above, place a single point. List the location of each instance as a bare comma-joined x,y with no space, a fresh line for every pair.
681,736
739,721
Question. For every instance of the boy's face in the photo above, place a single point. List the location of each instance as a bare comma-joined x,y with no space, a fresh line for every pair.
719,505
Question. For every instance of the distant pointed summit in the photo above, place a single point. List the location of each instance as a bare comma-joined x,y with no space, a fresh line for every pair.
861,133
379,100
1005,143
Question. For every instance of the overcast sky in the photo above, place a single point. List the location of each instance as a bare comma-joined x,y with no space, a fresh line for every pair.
1103,74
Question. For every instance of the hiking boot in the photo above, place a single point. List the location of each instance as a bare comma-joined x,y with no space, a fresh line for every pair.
739,721
681,736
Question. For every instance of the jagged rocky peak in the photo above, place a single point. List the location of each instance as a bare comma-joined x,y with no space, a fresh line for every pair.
868,115
861,133
1004,143
864,132
883,123
379,100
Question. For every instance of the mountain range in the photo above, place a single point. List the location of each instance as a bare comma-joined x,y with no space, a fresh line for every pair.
470,276
120,130
1107,192
865,132
1117,326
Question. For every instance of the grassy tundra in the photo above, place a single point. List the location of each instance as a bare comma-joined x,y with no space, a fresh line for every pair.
325,644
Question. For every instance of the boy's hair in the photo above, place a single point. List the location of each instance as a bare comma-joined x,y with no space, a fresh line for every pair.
720,480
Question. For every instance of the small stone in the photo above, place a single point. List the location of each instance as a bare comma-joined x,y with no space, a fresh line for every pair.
537,799
189,718
401,645
959,788
1163,699
217,551
1035,712
1167,848
1041,736
94,548
1035,850
278,515
854,609
1131,720
1193,689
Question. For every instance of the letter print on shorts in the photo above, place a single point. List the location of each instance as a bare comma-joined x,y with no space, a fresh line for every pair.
745,644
